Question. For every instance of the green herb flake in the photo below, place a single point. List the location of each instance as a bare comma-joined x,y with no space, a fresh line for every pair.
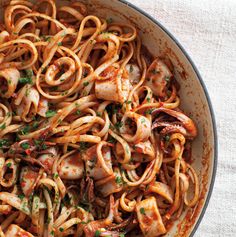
142,211
50,113
118,125
143,120
4,142
8,164
121,235
131,68
37,142
119,180
59,44
63,33
3,126
167,79
97,233
47,38
149,111
85,83
21,196
55,175
111,140
25,145
35,125
78,112
44,146
27,92
25,80
29,72
61,229
154,71
64,93
25,130
148,99
167,138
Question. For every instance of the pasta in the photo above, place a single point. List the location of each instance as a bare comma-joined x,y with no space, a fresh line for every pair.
92,139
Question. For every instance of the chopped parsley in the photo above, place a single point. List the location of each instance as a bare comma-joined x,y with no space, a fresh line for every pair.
78,112
131,69
29,72
119,180
44,146
25,145
46,38
50,113
97,233
25,130
142,211
167,79
149,111
3,126
55,175
35,125
111,140
154,71
143,120
61,229
148,99
27,92
37,142
85,83
121,235
21,196
167,138
25,80
59,44
64,93
8,164
4,142
118,125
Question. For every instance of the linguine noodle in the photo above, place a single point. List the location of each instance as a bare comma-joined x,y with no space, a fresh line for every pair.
92,139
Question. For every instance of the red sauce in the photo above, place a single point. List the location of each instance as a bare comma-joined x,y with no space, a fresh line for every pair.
30,175
23,183
147,220
74,160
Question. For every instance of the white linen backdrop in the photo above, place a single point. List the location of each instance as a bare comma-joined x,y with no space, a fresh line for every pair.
207,30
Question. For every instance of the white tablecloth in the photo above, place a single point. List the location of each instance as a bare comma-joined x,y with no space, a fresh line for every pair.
207,30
